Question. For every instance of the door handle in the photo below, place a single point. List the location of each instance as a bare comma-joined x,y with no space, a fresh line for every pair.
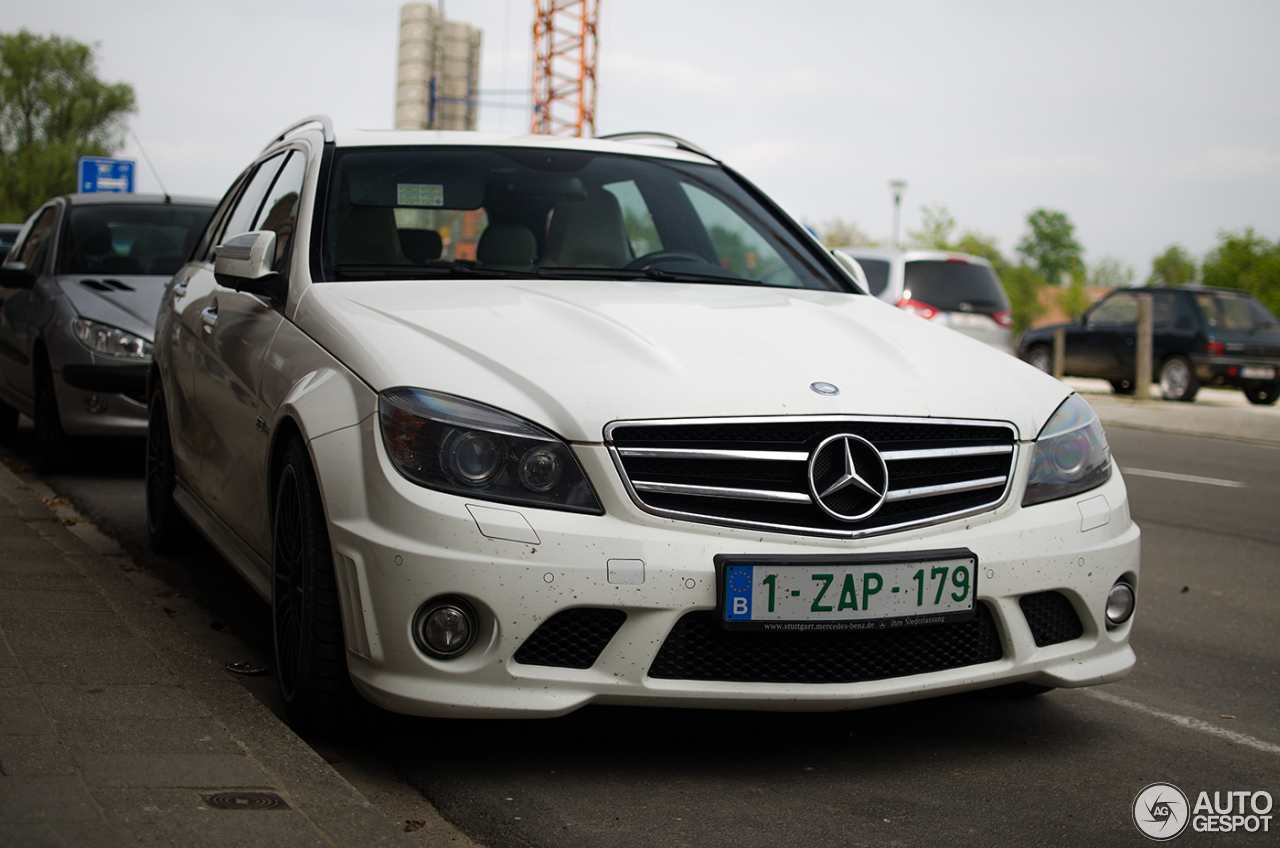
209,317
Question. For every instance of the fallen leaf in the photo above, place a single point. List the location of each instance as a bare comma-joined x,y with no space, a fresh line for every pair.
410,825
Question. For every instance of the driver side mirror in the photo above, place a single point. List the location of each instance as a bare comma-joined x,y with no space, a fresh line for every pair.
244,263
16,275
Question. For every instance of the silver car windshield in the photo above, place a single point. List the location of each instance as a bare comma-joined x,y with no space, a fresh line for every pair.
132,238
503,212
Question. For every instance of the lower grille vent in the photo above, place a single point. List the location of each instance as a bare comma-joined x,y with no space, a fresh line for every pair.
571,639
699,649
1051,617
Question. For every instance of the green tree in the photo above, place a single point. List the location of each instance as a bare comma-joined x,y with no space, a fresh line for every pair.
977,244
1023,285
53,110
1174,267
1246,261
935,231
841,233
1111,273
1051,246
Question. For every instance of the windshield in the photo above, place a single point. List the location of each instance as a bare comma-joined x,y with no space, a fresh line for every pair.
954,286
430,211
132,238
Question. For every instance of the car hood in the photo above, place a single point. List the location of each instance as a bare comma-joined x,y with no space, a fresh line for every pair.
129,302
576,355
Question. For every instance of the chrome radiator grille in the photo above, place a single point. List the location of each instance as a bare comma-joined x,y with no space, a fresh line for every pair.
762,473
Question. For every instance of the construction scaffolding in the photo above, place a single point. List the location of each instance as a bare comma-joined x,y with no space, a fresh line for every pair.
564,67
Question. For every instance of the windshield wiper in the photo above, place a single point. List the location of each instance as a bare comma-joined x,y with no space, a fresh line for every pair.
457,268
657,274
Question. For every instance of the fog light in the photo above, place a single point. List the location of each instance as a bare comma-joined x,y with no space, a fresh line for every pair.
1120,603
445,627
94,404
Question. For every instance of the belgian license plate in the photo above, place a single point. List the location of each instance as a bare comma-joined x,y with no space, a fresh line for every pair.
826,593
1257,372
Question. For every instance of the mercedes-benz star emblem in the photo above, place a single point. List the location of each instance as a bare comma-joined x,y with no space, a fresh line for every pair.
825,388
848,477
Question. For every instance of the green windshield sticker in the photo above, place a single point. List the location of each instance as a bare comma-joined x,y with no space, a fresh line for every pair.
419,194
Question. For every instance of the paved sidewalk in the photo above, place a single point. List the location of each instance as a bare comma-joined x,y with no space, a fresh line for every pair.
1219,413
116,729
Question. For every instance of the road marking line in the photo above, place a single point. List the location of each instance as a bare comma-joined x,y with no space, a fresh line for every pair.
1186,478
1188,722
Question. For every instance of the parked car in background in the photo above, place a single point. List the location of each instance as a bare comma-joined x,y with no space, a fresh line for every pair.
1200,337
507,425
956,290
8,233
79,293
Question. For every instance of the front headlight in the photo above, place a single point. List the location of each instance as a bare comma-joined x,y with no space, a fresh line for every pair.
111,341
1071,454
465,448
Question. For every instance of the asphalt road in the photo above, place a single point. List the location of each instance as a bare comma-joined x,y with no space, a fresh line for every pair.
1200,711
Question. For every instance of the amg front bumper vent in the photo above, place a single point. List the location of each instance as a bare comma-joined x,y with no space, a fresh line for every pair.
762,473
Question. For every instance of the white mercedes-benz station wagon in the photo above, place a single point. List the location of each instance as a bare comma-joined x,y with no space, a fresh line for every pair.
503,426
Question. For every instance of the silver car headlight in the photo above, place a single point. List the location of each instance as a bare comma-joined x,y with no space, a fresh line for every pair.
110,341
465,448
1071,454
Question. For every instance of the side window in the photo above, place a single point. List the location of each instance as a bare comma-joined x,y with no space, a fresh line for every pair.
636,218
1119,310
35,248
245,211
280,210
1163,308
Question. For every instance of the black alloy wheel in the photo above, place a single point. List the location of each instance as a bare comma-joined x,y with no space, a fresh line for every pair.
51,443
167,528
306,620
1122,387
1263,395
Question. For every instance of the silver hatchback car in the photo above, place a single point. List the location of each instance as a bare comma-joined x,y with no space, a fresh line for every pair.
956,290
79,293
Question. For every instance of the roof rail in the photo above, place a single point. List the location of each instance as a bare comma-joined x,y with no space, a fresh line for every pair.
680,143
325,122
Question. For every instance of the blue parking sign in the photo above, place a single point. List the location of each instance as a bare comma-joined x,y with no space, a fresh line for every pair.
98,173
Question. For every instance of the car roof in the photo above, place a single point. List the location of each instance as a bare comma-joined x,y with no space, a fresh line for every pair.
110,198
911,254
443,138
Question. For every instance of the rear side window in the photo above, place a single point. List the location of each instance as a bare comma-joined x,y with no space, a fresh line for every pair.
954,286
877,271
1234,312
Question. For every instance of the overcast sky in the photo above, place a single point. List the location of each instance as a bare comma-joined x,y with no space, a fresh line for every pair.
1148,123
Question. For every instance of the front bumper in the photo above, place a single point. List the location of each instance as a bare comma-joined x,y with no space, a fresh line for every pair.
102,400
397,545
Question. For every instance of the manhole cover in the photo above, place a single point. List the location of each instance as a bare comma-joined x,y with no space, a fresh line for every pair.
245,801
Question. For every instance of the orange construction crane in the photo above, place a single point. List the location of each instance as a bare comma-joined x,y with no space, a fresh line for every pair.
564,66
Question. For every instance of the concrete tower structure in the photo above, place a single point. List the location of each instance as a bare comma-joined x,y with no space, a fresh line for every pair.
439,72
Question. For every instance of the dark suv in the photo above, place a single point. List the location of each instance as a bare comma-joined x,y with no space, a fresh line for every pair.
1201,336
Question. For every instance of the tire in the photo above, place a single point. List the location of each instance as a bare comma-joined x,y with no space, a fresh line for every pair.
1264,395
1040,357
1122,387
306,621
167,528
1178,379
52,445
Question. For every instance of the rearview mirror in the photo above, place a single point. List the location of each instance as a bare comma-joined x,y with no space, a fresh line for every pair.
16,275
244,263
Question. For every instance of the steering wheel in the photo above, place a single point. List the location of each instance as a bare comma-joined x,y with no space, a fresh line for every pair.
641,263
